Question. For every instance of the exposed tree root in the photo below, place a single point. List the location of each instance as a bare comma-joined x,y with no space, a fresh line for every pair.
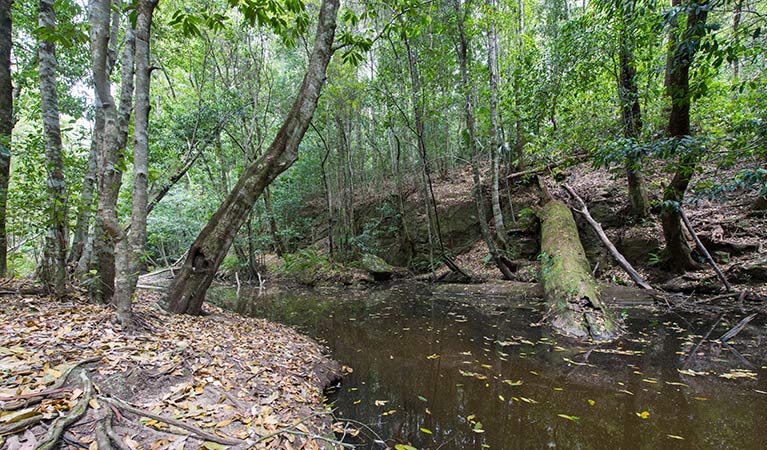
15,427
177,423
51,438
25,400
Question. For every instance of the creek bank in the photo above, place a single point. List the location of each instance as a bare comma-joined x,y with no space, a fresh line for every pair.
238,379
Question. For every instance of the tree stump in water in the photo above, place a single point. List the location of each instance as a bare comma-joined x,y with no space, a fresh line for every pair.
575,303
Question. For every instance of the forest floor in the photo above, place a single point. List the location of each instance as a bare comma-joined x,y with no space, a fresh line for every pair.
731,231
178,382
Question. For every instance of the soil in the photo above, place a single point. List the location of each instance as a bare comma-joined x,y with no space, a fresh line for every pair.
728,227
236,378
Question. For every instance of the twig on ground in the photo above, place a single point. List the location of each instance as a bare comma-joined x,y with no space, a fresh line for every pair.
177,423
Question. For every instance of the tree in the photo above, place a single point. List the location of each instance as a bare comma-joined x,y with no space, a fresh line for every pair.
187,292
110,134
631,113
681,55
6,122
131,250
53,273
495,147
466,85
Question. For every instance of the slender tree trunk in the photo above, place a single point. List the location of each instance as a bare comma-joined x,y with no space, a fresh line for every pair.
736,15
677,248
187,292
54,274
495,148
6,122
85,208
631,113
463,59
110,142
279,246
132,255
520,133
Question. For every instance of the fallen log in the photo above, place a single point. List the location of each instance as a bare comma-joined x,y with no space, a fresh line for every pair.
574,299
703,249
584,211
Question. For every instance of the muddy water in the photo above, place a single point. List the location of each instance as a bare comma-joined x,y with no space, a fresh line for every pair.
454,371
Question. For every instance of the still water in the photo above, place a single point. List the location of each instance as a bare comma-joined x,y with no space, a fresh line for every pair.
448,371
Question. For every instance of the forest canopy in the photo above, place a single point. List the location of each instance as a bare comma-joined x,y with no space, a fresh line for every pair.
93,158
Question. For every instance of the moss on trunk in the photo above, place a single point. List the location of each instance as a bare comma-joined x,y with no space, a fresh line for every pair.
575,302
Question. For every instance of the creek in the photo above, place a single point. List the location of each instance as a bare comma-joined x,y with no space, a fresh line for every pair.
470,371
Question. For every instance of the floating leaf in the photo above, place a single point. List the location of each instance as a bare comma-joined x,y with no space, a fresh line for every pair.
381,402
513,383
478,428
404,447
433,356
422,398
568,417
591,402
426,430
643,414
673,436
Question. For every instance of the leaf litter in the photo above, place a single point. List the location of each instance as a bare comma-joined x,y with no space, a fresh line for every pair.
224,377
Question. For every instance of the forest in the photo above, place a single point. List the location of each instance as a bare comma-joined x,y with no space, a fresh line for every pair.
254,223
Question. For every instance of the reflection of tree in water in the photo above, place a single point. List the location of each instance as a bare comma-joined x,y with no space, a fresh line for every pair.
456,351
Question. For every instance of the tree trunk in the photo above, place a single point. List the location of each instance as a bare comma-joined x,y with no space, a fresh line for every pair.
631,114
520,134
571,291
279,246
187,292
54,274
736,16
677,249
85,208
110,142
132,256
6,122
495,149
463,59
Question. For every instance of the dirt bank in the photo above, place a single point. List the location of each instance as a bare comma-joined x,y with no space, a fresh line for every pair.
180,381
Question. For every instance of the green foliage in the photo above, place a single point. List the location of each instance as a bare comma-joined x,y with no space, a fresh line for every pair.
307,265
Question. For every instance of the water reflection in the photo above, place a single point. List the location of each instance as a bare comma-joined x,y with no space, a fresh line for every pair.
458,372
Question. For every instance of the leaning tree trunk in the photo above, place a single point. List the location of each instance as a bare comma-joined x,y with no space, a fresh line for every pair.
131,253
6,122
575,303
677,249
211,246
54,274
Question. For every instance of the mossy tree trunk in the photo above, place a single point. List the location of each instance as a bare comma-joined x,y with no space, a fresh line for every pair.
576,306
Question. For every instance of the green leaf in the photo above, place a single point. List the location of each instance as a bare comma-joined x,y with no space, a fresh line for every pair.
426,430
